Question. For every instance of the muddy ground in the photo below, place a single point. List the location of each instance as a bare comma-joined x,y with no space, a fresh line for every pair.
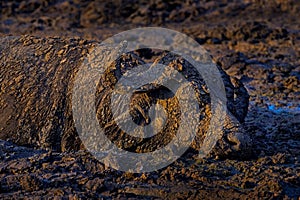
255,41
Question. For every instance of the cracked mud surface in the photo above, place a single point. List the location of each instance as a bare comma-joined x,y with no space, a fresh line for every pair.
257,42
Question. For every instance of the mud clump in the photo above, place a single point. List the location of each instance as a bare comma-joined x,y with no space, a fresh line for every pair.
80,175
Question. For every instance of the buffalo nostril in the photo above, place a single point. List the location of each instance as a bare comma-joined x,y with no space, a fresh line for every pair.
232,143
234,140
147,120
